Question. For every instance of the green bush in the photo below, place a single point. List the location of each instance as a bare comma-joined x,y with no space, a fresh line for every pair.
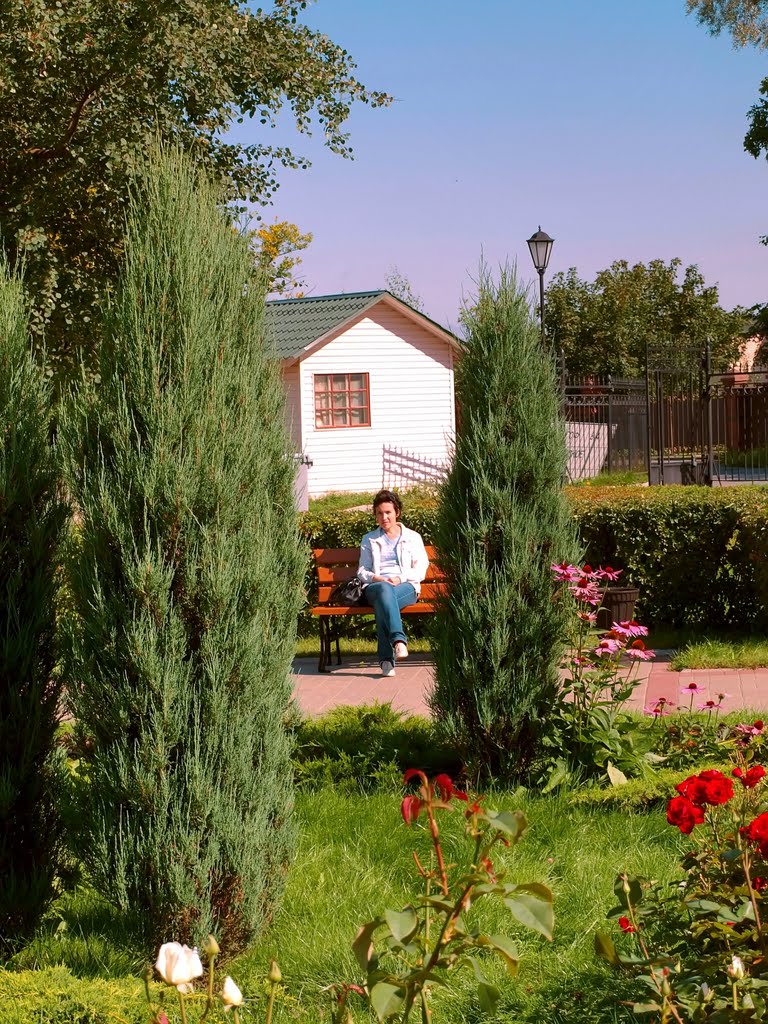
32,516
699,555
55,996
185,581
360,748
501,522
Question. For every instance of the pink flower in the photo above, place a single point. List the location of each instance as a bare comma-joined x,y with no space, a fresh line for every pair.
691,688
584,589
589,617
639,651
657,709
607,646
608,573
756,729
564,571
629,628
708,705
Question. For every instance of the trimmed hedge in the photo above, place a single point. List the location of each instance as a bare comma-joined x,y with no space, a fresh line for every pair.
699,555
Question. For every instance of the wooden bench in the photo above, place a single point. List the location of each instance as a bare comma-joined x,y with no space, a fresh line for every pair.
337,565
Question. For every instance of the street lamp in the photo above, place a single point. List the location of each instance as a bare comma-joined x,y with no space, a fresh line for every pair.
540,245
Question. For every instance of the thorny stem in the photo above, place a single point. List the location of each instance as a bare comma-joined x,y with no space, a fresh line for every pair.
753,901
438,849
426,1013
667,1007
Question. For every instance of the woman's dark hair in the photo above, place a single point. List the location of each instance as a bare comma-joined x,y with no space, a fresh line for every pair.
384,496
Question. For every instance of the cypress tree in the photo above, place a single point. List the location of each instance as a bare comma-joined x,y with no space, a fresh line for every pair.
32,516
186,579
502,521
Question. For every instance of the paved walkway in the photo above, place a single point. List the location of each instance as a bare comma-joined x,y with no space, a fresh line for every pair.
358,681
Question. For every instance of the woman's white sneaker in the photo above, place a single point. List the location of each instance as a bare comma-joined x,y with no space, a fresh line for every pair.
387,668
401,651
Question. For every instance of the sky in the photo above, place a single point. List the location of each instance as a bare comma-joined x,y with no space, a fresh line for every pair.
616,126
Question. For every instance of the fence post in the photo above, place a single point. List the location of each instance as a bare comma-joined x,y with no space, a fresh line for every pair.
708,401
610,424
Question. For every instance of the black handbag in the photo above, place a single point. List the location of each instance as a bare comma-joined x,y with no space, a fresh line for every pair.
350,592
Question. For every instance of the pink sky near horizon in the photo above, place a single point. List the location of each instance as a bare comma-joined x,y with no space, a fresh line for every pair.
619,131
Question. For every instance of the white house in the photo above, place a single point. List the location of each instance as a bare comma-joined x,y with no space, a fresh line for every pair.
369,389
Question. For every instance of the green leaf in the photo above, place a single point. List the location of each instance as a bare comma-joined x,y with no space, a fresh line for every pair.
605,949
402,923
511,823
532,911
615,775
362,944
487,993
504,946
558,775
386,999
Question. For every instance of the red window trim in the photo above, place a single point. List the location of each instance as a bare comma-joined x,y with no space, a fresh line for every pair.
366,390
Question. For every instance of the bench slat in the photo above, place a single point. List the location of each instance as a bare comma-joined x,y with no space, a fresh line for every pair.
423,607
342,573
428,591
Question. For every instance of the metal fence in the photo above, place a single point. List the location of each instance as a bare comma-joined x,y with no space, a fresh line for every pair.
606,422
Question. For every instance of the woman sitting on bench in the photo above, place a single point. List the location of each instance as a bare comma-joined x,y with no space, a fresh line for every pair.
393,562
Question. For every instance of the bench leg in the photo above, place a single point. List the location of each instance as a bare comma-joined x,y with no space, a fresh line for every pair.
325,645
338,649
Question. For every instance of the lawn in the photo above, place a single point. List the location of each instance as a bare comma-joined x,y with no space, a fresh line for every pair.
354,859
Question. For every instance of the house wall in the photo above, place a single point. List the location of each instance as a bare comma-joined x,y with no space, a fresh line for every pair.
412,403
291,384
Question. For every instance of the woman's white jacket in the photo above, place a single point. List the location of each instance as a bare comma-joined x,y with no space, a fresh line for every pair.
411,556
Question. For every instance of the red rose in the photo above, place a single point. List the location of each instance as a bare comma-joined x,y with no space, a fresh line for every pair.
751,777
718,791
758,884
757,831
693,788
684,814
626,925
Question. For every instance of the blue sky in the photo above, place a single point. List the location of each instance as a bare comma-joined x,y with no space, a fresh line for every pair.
616,126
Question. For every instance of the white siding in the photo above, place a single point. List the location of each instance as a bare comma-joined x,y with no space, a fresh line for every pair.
291,384
412,407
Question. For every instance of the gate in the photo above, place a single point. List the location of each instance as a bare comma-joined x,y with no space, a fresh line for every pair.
677,422
605,422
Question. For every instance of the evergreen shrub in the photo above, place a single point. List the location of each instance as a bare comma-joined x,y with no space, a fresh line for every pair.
185,580
32,516
501,522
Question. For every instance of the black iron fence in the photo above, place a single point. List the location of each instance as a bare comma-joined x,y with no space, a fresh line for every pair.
606,422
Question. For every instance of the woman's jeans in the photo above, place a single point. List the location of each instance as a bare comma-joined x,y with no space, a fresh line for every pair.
387,600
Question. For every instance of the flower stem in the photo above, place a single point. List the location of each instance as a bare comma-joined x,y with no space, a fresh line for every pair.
182,1007
271,1002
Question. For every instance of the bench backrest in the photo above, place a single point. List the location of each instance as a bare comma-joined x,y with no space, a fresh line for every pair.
337,565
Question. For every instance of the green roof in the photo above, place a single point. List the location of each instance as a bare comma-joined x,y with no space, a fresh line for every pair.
296,323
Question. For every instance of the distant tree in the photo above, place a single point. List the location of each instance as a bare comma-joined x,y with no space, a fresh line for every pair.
399,285
87,86
604,325
32,517
185,580
501,522
276,247
746,20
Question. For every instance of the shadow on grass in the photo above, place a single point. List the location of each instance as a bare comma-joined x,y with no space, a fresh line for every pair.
89,937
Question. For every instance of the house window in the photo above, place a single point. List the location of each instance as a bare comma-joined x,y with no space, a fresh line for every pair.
342,400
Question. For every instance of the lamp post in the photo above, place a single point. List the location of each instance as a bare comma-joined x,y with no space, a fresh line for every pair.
540,245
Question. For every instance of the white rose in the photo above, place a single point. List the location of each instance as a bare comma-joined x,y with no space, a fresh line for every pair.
178,965
231,994
736,970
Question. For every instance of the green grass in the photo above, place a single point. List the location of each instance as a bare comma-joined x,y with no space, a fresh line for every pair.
354,859
617,478
722,653
337,501
309,647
